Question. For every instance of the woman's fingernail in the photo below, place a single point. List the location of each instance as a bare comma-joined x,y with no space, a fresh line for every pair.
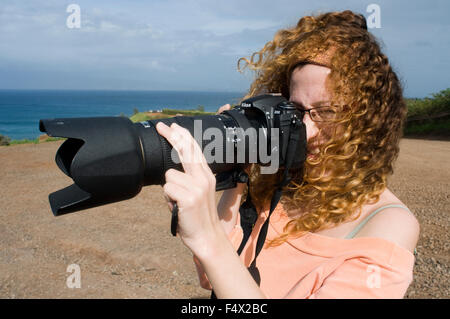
161,125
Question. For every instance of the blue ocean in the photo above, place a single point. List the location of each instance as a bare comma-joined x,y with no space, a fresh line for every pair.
21,110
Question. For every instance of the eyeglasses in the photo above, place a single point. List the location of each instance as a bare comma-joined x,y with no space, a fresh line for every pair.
320,114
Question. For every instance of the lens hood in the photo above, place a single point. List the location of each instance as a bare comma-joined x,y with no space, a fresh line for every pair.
103,156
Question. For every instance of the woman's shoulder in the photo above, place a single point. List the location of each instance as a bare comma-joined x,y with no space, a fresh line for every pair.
392,223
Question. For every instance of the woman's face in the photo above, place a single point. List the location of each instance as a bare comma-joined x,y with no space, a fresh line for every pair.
307,90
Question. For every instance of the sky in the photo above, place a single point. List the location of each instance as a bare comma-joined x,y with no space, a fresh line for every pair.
194,45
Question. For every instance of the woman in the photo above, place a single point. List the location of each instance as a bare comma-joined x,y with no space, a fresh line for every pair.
338,232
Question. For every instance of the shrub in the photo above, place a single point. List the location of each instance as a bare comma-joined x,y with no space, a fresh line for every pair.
438,104
429,116
4,140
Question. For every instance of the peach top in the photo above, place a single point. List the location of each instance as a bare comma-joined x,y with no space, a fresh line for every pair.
317,266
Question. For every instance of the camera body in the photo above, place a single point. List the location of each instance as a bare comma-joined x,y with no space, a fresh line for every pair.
279,114
110,158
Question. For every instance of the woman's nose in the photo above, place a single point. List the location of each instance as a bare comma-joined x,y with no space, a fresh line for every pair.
311,127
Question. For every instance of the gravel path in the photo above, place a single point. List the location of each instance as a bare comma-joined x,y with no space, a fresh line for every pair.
125,250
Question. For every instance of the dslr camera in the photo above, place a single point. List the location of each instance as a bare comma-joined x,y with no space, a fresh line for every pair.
110,159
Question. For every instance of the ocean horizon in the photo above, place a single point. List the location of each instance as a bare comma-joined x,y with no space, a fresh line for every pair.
21,110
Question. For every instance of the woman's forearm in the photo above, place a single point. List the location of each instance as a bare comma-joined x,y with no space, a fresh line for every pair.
227,209
199,225
226,272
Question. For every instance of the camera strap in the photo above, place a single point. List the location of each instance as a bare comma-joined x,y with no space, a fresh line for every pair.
294,140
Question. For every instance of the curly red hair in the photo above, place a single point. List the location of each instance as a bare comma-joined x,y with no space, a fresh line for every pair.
353,165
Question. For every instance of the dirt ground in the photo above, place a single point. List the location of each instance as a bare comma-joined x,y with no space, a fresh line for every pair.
125,250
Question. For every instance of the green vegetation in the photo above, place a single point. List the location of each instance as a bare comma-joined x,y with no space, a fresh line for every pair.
166,113
441,128
52,139
4,140
24,141
429,116
186,112
139,117
438,104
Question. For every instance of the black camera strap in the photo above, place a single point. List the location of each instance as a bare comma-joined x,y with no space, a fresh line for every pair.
248,211
294,139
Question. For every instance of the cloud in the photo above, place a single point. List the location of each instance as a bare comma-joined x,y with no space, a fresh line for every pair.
193,44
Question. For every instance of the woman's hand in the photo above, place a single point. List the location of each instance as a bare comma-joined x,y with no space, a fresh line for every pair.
225,107
198,223
193,190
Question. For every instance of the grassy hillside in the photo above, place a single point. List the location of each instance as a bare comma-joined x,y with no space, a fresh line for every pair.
166,113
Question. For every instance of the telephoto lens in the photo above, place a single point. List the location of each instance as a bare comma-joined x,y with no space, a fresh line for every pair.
110,159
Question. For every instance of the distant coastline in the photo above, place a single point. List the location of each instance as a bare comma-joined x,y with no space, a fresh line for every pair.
21,110
136,117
